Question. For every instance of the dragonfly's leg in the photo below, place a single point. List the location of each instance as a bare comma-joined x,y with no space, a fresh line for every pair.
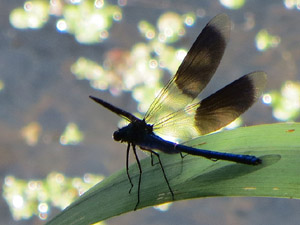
182,156
127,170
152,161
151,155
165,176
140,177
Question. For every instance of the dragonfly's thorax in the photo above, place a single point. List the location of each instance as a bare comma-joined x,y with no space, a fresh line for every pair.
134,132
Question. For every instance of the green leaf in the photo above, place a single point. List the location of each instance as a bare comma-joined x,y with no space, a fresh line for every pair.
278,145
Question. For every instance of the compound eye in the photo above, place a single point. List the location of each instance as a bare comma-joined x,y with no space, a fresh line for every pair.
117,136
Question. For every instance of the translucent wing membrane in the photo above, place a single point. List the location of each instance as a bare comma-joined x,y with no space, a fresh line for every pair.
195,72
215,111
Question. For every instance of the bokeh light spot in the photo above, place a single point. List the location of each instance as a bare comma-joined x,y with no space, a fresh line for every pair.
264,40
153,64
18,201
189,19
286,102
61,25
117,16
31,133
267,99
170,25
28,6
233,4
99,4
43,207
292,4
72,135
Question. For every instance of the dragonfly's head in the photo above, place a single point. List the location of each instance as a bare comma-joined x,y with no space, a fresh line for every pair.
134,132
118,135
125,134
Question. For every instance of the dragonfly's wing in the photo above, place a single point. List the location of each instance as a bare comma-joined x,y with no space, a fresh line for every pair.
122,113
215,111
195,71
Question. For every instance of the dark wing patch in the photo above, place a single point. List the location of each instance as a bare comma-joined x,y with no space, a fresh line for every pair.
204,57
195,71
224,106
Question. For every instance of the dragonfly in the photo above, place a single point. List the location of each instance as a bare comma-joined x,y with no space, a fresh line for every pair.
175,109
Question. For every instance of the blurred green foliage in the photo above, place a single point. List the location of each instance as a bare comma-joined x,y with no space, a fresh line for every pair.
264,40
87,20
141,69
71,135
233,4
36,197
286,102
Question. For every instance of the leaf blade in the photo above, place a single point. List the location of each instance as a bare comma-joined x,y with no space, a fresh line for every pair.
277,144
